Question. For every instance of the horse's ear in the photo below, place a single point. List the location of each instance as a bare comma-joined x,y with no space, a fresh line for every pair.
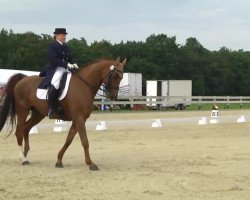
118,60
124,62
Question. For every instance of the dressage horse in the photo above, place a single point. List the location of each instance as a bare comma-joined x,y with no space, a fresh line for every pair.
20,99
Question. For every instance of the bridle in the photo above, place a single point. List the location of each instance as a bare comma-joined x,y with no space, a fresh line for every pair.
106,88
113,69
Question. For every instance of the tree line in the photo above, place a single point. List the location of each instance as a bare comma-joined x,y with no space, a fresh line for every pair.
160,57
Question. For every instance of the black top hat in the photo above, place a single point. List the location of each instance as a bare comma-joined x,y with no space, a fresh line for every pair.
60,31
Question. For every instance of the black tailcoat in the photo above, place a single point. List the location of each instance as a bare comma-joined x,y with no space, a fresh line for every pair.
59,56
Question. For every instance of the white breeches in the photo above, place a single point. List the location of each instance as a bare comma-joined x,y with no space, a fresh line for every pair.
57,76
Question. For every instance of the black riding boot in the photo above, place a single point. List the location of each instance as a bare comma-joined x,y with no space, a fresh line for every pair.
52,101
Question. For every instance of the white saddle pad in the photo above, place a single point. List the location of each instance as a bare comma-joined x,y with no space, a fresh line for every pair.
42,93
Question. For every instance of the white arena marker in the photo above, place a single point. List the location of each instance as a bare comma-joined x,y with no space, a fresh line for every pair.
60,126
202,121
156,124
33,130
214,117
102,126
241,119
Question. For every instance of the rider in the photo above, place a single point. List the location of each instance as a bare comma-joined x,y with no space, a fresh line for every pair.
60,61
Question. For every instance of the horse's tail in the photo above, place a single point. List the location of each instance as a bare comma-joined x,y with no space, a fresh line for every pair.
8,107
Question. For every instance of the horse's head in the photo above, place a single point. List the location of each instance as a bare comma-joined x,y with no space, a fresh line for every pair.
112,77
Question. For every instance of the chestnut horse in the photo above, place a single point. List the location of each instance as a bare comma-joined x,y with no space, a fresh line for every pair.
20,99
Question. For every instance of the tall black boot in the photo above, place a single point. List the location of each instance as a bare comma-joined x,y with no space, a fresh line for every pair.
52,101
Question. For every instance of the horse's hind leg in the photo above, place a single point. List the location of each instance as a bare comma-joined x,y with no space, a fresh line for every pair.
35,118
22,114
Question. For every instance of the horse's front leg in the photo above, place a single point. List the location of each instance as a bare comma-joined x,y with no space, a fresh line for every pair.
81,128
70,137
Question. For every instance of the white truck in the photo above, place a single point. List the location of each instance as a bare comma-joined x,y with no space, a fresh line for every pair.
174,93
130,86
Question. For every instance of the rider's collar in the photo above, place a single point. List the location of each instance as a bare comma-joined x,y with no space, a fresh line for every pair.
61,43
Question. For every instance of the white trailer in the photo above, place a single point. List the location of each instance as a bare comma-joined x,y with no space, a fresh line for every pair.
131,85
177,91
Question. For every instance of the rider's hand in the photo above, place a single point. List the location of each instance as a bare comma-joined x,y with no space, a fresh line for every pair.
76,66
71,66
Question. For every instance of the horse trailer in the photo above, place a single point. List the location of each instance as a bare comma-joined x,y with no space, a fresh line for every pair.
172,93
131,85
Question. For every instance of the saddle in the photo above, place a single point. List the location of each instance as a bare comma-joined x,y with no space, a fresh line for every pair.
42,93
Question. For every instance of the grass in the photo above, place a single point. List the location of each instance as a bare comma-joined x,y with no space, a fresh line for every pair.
193,107
232,106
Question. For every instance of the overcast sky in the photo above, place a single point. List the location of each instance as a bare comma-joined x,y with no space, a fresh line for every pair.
215,23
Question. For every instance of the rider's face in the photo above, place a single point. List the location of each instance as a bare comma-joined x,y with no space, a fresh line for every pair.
61,37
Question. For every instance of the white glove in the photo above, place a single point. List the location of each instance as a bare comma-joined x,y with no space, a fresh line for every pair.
71,66
76,66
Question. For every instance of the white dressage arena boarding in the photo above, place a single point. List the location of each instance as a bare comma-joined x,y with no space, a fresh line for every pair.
62,126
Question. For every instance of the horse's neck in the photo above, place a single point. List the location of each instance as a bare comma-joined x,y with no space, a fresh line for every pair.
93,75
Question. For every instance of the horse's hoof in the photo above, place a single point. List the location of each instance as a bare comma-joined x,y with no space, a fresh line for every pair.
26,162
59,165
93,167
